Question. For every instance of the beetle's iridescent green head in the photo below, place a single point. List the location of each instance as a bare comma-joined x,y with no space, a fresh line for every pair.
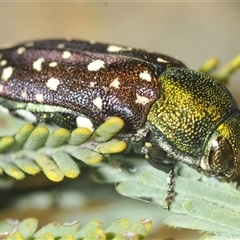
222,151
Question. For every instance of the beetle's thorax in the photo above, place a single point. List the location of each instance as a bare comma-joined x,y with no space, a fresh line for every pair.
190,108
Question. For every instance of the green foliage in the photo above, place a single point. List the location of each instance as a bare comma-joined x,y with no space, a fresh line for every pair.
119,230
223,74
201,203
35,149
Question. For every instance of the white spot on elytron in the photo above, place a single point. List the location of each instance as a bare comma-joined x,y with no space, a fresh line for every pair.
4,110
52,83
84,122
66,54
3,63
24,95
142,100
37,65
115,83
145,76
162,60
28,116
92,84
53,64
61,45
21,50
7,73
95,65
29,44
39,97
114,48
98,102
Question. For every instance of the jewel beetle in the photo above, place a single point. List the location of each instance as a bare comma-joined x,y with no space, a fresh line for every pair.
168,109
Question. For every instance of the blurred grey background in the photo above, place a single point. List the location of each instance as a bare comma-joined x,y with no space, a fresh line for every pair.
190,31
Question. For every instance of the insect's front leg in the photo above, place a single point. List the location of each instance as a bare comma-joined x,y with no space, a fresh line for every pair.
144,142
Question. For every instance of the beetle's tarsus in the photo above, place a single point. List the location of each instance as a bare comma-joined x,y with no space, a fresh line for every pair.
170,193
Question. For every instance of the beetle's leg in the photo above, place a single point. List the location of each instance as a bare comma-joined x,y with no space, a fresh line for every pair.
155,155
171,193
64,120
146,144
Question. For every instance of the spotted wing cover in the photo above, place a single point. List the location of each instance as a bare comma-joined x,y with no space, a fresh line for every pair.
96,85
154,58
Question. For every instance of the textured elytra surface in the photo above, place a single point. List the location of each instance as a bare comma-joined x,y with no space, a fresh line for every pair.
83,78
94,47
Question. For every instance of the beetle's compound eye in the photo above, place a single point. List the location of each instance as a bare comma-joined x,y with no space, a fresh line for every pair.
221,157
